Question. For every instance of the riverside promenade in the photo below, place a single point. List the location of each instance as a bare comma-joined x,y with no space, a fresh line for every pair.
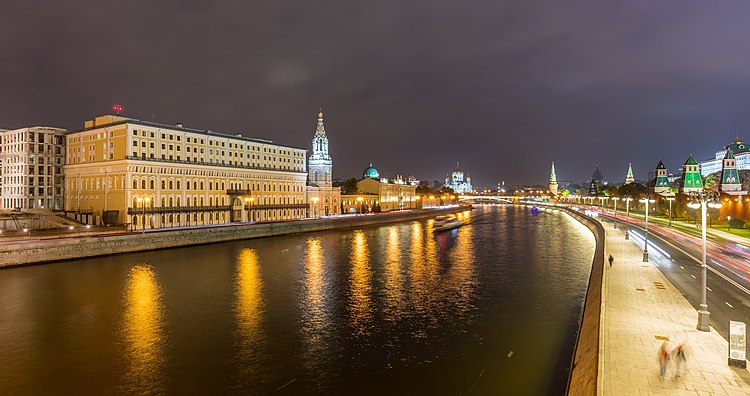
642,309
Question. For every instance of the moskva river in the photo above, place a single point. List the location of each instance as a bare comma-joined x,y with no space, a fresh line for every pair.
491,307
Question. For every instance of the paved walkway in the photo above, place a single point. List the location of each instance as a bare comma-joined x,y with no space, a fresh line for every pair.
642,309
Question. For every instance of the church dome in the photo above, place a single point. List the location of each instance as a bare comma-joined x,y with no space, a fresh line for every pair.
371,173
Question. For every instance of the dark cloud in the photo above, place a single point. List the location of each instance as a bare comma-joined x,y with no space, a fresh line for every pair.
505,87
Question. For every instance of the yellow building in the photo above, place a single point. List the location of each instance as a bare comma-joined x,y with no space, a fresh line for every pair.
380,194
127,171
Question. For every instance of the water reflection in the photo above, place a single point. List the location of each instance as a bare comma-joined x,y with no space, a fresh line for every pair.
315,312
143,332
394,289
249,312
360,304
423,276
462,273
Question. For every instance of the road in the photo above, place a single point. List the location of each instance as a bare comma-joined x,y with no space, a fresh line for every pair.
678,255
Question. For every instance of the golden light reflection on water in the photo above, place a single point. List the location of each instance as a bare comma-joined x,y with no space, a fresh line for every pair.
360,304
249,309
142,331
394,289
315,321
423,272
462,273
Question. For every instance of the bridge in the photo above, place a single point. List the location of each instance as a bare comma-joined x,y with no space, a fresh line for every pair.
487,199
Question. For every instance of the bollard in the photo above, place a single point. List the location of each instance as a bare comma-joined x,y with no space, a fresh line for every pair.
627,235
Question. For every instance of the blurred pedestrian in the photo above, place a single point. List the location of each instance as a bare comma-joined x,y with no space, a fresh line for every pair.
611,259
663,359
679,359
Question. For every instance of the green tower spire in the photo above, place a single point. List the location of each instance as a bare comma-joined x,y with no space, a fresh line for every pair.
730,178
629,178
661,184
691,176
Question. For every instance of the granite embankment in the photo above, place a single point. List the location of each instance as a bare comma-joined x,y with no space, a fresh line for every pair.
40,251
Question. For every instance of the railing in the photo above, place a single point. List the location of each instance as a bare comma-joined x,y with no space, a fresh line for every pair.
267,168
276,206
239,192
178,209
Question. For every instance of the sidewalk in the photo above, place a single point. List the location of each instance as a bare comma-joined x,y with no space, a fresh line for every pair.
641,310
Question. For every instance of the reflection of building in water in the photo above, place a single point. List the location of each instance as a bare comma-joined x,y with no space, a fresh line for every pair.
249,305
394,289
316,322
143,333
360,304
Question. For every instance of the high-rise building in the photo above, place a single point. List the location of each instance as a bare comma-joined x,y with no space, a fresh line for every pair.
127,171
553,181
324,199
31,164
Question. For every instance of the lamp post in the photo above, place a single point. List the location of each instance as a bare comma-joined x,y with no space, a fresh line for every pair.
315,206
646,200
670,199
615,199
144,201
728,225
701,200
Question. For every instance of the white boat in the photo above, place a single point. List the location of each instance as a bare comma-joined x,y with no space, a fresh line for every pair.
445,222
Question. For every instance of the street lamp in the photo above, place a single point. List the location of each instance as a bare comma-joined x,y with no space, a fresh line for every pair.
143,201
359,204
670,199
645,244
728,226
701,200
315,206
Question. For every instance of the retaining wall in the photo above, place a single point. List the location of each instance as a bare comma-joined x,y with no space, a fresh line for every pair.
584,366
41,251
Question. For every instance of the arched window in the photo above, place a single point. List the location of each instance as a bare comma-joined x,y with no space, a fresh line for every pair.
171,202
178,184
171,185
135,184
201,185
163,184
143,184
153,183
178,202
163,202
210,185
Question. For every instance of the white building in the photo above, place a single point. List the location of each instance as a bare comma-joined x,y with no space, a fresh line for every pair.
324,199
31,161
741,154
457,181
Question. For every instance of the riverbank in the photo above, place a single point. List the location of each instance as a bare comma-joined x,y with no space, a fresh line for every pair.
29,252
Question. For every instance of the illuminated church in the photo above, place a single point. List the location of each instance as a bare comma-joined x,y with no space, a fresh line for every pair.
457,181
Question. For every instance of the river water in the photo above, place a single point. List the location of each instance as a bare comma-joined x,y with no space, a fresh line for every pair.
489,308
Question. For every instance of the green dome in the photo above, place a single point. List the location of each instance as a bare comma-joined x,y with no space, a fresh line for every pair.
371,173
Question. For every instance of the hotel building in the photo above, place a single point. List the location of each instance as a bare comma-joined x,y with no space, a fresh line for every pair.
127,171
31,164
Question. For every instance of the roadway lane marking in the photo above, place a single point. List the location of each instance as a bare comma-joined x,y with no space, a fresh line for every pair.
730,305
709,289
693,276
681,267
715,271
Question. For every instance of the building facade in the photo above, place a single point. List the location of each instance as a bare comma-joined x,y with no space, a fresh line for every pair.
691,176
31,168
730,178
324,199
741,154
458,182
127,171
375,193
661,183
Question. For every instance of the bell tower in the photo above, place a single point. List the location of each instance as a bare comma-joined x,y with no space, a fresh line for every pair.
320,165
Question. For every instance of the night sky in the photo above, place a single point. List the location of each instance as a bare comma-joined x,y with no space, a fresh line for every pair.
504,87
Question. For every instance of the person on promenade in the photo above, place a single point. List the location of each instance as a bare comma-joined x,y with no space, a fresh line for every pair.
663,360
611,259
679,359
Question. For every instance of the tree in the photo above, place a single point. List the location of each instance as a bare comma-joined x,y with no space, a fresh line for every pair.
350,186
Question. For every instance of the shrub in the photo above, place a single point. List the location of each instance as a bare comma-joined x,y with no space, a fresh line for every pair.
737,223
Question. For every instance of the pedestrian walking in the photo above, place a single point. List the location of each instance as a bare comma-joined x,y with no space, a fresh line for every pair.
679,359
611,259
663,356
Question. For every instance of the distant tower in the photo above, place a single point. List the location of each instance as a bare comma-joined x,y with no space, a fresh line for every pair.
320,164
661,184
596,181
629,178
553,181
730,179
691,176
